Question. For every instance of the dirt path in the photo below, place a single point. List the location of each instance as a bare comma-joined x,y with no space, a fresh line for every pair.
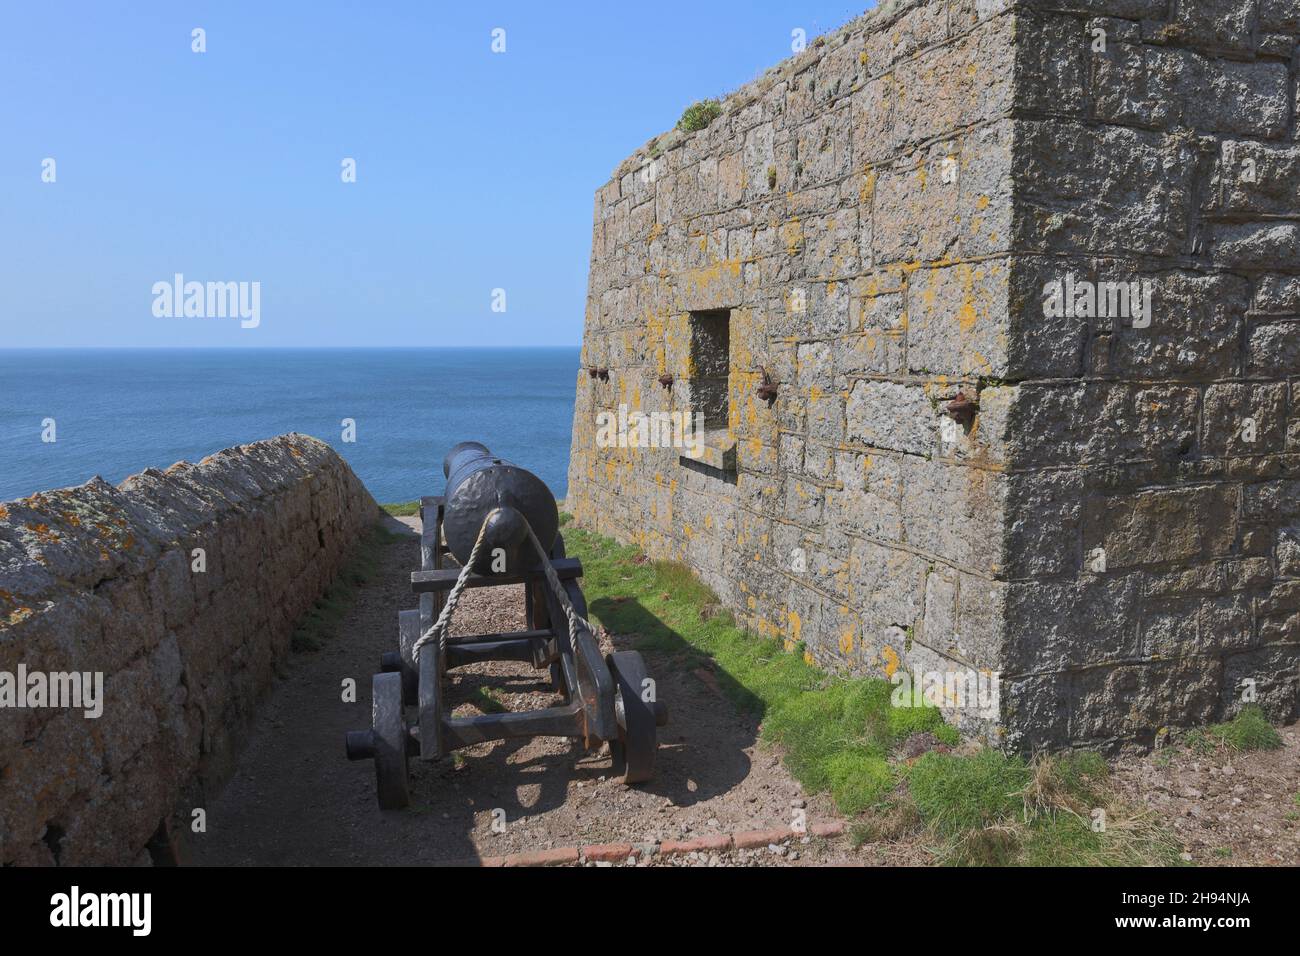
296,800
1227,809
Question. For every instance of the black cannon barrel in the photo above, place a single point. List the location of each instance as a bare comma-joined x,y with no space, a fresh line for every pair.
479,483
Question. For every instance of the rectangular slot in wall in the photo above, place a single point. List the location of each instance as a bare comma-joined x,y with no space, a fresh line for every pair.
711,366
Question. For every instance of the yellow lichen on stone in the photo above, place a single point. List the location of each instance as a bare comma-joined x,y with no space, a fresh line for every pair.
18,615
891,660
792,236
42,532
700,279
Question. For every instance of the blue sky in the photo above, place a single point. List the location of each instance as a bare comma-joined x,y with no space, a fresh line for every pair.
475,171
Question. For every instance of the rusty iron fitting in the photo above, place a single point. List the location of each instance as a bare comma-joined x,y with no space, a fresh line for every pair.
962,409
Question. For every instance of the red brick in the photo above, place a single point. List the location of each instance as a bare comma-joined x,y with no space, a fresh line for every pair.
833,828
608,852
557,857
715,843
752,839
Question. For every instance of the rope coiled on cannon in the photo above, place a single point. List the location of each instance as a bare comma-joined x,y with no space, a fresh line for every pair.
442,626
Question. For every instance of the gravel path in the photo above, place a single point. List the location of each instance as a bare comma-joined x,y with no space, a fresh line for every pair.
1227,809
296,800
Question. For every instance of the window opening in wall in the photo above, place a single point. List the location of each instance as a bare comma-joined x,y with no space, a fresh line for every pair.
710,394
711,366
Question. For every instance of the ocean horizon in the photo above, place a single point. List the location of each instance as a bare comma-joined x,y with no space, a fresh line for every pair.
117,411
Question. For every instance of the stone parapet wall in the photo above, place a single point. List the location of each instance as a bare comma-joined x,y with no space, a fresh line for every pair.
103,579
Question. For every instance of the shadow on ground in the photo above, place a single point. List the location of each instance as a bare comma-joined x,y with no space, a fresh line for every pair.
296,800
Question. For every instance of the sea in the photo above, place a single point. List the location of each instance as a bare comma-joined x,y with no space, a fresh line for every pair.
114,412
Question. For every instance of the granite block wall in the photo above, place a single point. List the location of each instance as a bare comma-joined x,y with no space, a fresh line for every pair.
931,460
1153,458
106,579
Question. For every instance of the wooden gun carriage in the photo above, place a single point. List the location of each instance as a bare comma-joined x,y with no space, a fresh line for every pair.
501,525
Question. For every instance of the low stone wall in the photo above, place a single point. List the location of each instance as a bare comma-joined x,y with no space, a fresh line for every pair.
182,588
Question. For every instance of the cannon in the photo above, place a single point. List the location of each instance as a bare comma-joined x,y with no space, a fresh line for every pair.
500,525
485,492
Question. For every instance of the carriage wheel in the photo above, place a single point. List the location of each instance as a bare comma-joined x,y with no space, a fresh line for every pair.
430,702
388,726
408,632
633,753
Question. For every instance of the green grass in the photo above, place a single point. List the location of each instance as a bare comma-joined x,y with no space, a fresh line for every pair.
891,820
837,734
402,509
1067,840
1083,776
699,115
321,623
1249,730
997,810
485,699
955,794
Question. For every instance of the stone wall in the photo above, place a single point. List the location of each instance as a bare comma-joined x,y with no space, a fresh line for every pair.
881,217
1155,529
103,579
